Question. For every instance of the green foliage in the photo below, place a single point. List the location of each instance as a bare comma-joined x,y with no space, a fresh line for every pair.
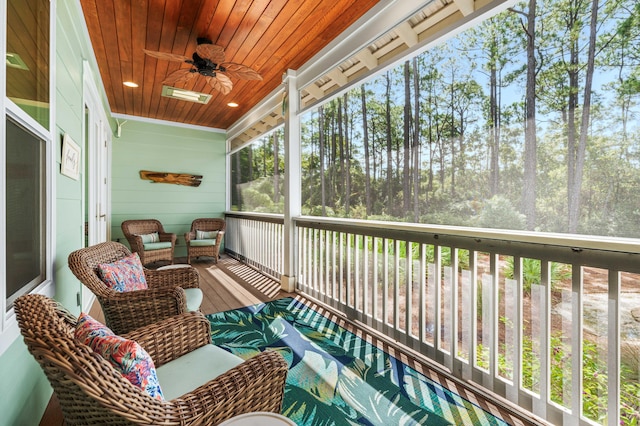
531,273
498,212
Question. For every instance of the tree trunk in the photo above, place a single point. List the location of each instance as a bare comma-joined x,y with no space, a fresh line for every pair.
347,155
238,179
276,168
321,142
494,129
416,141
574,194
389,145
406,191
365,137
530,132
453,138
341,159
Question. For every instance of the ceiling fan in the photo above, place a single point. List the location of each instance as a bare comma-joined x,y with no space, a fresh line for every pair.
208,61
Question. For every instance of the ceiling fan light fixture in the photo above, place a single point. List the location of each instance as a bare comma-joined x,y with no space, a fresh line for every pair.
185,95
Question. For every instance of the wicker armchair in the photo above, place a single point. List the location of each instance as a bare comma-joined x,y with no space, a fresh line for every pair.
133,229
202,248
124,312
92,392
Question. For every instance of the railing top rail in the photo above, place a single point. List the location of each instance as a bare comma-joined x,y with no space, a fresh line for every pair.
394,229
262,217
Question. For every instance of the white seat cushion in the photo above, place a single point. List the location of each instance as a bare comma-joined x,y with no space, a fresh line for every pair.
194,298
194,369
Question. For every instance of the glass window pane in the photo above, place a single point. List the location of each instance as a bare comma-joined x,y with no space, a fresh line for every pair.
257,175
25,216
27,62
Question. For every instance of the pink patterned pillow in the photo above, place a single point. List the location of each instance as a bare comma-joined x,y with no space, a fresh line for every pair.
127,356
126,274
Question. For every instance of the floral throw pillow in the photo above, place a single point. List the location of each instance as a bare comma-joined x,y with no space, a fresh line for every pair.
206,235
126,274
126,356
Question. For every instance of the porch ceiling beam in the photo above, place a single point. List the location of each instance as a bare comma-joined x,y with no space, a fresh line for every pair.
314,91
338,77
407,34
465,6
367,59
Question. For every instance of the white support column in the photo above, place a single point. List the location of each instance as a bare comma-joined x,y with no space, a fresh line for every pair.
292,180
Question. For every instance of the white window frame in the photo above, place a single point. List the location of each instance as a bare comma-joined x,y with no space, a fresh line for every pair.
9,331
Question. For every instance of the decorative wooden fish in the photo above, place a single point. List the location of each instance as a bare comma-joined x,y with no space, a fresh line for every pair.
174,178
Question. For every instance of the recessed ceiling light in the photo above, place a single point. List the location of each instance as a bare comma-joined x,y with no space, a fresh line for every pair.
130,84
232,104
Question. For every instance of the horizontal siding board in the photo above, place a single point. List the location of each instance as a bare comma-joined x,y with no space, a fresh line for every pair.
162,148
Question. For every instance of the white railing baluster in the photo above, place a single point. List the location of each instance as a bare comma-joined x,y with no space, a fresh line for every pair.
422,318
396,284
474,373
356,275
333,267
376,280
366,309
453,309
576,345
314,259
385,284
613,356
408,290
437,297
494,339
349,271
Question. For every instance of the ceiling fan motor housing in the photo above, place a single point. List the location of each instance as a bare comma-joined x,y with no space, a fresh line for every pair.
205,66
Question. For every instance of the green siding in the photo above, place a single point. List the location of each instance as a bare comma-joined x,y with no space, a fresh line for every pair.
25,389
164,148
142,146
22,381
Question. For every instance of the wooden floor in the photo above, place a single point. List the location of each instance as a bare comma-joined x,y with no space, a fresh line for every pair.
231,285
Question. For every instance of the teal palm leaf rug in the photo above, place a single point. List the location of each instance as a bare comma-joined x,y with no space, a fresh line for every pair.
337,378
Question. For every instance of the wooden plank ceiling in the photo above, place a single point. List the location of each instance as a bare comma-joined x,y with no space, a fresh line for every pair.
269,36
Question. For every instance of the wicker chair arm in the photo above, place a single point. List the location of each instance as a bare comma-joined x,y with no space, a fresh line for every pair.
167,237
135,242
188,236
186,277
219,238
173,337
134,309
255,385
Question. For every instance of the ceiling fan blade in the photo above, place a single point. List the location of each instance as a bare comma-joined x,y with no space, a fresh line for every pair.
240,71
211,52
166,56
221,83
180,76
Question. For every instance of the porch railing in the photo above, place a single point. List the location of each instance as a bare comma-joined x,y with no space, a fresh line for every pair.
256,240
543,320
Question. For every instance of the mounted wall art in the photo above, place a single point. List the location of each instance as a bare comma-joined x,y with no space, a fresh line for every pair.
174,178
70,161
